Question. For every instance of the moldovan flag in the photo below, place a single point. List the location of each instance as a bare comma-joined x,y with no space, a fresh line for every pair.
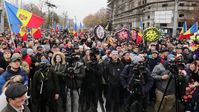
14,22
184,29
22,33
191,31
36,33
27,18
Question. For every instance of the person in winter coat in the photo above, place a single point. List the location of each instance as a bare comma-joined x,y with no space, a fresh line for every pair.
74,76
12,70
5,60
25,56
90,91
112,77
16,97
132,72
45,89
58,63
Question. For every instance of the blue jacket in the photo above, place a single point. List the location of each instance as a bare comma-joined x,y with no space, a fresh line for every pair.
9,73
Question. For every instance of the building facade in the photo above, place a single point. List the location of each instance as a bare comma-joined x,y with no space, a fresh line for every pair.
157,13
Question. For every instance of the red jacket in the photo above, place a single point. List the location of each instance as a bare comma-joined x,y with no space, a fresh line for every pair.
27,59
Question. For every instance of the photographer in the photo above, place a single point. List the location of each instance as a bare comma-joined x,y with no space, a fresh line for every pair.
162,74
91,86
136,79
58,62
45,90
75,73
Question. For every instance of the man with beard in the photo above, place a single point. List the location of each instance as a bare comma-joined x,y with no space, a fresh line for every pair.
91,85
112,72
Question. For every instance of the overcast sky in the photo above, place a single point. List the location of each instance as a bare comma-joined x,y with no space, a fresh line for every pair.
78,8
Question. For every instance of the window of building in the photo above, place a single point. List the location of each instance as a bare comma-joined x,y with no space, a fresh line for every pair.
148,24
181,4
149,7
181,15
180,24
163,25
164,5
148,17
194,4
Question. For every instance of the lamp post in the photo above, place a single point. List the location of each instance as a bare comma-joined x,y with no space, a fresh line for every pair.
175,21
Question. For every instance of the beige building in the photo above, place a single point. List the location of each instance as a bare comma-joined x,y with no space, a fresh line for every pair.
158,13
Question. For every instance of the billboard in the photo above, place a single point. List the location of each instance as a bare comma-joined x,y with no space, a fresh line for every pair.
163,16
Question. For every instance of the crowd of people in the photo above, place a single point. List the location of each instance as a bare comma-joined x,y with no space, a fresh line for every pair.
82,72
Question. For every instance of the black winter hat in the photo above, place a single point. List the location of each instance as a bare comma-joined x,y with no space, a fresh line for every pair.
24,51
15,90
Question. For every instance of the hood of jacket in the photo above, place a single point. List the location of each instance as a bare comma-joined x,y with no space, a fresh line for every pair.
62,58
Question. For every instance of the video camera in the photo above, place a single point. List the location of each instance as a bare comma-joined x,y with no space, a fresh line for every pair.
136,82
174,64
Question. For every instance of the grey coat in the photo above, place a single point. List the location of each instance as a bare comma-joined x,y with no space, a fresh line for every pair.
157,73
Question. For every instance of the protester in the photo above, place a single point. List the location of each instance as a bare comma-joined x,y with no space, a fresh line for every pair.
12,70
16,95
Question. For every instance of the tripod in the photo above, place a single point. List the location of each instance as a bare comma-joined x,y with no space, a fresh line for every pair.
176,90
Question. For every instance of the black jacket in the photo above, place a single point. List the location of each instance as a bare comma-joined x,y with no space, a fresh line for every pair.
112,73
93,78
48,79
128,73
78,73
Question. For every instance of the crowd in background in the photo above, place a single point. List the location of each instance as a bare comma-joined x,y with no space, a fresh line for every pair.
80,71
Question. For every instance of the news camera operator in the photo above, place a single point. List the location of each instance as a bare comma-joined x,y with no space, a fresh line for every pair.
169,78
45,89
75,73
136,79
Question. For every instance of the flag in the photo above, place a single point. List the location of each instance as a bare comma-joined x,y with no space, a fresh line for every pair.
66,27
36,33
184,29
26,18
139,35
23,33
14,22
81,27
191,31
75,24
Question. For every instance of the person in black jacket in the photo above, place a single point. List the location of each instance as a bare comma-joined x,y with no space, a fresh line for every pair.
112,77
91,85
75,73
58,62
5,60
136,79
45,90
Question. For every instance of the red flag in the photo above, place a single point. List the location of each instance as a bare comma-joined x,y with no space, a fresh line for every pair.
139,38
36,33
